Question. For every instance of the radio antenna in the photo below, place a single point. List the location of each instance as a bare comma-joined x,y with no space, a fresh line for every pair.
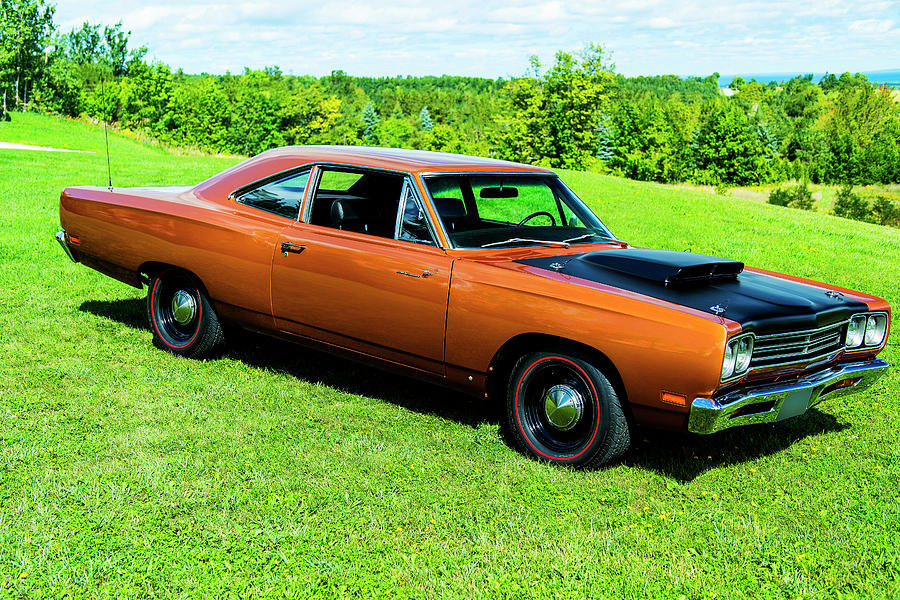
106,136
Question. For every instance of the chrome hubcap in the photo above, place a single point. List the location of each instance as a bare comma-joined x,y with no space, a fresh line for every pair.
563,406
184,307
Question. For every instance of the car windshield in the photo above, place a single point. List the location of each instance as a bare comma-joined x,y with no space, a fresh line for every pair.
484,211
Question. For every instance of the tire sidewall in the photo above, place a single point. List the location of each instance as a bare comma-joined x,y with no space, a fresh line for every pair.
160,292
595,448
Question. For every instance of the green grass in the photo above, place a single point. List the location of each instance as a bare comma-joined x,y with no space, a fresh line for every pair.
126,471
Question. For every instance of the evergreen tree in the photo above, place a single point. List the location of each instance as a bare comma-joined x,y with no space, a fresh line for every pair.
425,122
606,143
370,120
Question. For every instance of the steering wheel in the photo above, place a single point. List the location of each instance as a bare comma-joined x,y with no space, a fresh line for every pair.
537,214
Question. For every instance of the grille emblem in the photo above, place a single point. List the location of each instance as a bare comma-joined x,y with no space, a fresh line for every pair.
717,309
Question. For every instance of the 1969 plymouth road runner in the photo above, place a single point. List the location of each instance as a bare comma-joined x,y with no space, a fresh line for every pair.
487,276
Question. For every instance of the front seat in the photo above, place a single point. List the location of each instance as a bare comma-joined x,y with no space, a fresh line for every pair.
452,211
344,217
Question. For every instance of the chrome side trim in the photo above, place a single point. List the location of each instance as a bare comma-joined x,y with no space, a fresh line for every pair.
63,239
781,401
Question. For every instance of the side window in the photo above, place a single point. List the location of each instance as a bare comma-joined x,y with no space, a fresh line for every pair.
360,201
280,197
413,226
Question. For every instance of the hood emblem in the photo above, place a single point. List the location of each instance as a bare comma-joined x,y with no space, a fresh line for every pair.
834,294
557,266
717,309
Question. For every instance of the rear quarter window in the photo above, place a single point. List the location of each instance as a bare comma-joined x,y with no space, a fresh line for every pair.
281,197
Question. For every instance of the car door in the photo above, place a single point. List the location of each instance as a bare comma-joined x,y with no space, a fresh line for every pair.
360,282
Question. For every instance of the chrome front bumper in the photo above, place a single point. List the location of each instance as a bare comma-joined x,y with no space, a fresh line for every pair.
780,401
62,239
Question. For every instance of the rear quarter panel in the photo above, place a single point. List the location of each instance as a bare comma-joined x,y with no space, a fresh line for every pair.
227,247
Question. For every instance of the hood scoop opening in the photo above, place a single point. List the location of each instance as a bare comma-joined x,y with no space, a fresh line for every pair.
672,269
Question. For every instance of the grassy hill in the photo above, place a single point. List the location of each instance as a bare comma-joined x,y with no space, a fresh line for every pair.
126,471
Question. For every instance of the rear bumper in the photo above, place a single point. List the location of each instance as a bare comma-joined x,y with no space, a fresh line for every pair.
780,401
63,241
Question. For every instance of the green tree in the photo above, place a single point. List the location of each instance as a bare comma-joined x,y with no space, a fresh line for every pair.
26,28
737,83
116,48
850,205
552,117
83,46
307,116
728,149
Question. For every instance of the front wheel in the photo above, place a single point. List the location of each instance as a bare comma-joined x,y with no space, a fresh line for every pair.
563,410
182,317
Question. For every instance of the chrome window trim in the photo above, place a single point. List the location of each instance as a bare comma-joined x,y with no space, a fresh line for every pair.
312,189
237,194
407,192
429,200
423,175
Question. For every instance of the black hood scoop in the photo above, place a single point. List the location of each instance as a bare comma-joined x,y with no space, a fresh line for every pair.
672,269
759,302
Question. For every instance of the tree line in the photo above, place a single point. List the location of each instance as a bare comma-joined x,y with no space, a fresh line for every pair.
576,112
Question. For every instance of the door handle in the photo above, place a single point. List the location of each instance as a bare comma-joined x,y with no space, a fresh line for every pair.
425,273
293,248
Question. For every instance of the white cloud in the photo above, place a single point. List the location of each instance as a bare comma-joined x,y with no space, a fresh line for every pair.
661,23
871,26
496,39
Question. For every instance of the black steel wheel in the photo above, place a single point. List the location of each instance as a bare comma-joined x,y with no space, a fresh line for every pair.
563,410
182,317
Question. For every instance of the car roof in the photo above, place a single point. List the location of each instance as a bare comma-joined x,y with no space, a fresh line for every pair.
397,159
284,159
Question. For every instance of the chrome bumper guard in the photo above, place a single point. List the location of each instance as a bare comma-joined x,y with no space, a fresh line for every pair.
780,401
61,238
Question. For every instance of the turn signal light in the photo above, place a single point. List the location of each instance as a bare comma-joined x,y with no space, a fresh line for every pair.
674,399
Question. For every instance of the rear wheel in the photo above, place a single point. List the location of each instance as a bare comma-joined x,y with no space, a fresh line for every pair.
563,410
182,317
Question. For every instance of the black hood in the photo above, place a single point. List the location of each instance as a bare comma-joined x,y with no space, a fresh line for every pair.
759,302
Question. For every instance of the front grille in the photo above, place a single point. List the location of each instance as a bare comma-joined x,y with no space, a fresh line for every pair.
801,346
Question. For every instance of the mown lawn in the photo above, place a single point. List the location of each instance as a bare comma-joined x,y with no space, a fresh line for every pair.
125,471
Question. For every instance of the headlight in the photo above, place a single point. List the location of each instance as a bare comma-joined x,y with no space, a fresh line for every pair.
866,330
876,326
743,354
738,352
728,362
856,330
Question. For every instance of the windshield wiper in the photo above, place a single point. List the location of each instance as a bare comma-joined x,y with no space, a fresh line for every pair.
527,241
597,235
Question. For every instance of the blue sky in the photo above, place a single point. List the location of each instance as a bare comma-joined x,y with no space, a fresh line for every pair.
495,39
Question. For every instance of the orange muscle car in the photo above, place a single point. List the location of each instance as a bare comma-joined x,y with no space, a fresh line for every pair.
488,276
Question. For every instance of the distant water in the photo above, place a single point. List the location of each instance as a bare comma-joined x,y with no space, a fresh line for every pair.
890,77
